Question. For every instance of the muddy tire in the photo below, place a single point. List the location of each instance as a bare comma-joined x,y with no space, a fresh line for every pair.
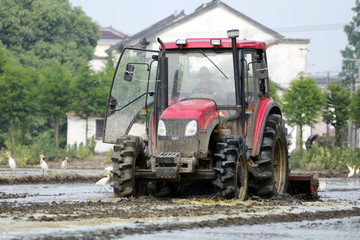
127,152
231,169
272,160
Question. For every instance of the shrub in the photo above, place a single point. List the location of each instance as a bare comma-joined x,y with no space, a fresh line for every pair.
109,155
320,158
20,153
46,146
84,152
294,160
70,151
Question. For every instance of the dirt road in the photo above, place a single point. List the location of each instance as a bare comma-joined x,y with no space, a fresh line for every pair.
80,211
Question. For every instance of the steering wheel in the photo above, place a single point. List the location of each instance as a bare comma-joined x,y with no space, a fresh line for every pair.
203,91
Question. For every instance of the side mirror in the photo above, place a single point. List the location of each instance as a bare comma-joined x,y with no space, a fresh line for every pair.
262,71
129,71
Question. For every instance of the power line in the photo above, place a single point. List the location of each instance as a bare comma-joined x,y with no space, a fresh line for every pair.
311,28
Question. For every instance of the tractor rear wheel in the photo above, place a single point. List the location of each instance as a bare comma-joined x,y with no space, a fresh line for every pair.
231,168
128,151
272,160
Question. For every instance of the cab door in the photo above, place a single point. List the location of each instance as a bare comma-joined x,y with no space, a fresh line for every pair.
132,90
253,60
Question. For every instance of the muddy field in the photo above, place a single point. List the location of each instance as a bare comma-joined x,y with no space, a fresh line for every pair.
79,210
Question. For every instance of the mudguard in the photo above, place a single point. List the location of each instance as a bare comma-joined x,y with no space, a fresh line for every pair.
266,106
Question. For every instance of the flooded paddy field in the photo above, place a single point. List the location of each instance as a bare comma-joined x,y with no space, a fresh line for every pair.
79,210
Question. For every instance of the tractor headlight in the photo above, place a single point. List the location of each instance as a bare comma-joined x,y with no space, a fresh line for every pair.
191,128
161,128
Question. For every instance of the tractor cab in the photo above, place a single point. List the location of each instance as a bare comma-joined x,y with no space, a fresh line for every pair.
201,92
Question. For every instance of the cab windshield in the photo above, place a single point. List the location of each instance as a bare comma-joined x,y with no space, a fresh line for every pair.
201,74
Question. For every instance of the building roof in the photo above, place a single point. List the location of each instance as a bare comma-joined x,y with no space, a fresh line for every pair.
110,33
289,41
175,18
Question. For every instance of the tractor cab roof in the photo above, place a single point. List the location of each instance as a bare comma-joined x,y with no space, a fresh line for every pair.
195,43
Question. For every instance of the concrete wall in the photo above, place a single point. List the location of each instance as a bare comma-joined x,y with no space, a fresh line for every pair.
76,133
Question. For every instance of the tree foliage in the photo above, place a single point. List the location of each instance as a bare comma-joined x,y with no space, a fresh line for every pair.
55,93
302,103
336,109
17,96
273,92
355,108
352,50
37,30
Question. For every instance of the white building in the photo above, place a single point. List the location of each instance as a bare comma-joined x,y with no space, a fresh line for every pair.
76,131
286,56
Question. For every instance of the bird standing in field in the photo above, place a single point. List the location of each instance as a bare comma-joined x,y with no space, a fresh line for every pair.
322,185
351,170
102,182
64,163
43,164
12,163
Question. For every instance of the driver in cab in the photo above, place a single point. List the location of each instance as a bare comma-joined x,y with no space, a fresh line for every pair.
210,87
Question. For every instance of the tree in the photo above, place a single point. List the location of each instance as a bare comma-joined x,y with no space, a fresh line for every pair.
302,103
355,108
17,103
36,31
273,92
55,95
91,91
351,53
336,109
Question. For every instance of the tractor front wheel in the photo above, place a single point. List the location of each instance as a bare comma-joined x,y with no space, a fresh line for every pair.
231,168
127,151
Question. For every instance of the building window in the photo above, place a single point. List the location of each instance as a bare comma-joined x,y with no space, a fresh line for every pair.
99,128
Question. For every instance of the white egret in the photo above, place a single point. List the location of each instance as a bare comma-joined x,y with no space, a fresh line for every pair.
351,170
64,163
322,185
43,164
102,182
12,162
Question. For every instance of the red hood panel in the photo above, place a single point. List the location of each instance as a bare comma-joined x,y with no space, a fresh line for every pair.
204,111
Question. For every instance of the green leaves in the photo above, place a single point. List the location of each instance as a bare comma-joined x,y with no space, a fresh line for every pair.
336,109
302,102
355,107
36,31
351,53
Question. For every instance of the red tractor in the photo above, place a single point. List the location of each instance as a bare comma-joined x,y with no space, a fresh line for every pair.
196,111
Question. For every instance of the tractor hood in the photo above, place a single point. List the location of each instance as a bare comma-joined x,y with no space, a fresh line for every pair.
202,110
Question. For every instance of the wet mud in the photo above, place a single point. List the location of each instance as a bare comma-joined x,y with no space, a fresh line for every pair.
49,178
106,216
148,214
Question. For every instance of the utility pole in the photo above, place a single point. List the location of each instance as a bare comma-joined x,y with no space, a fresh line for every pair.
355,132
327,84
350,124
352,132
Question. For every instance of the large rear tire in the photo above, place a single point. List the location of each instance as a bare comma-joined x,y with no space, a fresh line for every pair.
272,160
231,168
127,151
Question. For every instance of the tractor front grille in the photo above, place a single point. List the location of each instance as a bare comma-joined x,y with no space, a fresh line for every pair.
175,139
